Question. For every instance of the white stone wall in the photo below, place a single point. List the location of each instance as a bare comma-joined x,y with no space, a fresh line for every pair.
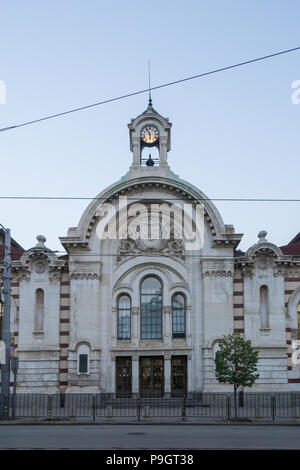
38,351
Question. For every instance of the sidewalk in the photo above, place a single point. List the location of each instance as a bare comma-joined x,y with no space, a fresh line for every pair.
164,422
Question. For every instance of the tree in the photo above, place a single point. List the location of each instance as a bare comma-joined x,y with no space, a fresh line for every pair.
236,363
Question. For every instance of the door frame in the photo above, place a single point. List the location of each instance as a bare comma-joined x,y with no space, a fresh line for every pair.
128,393
184,391
151,394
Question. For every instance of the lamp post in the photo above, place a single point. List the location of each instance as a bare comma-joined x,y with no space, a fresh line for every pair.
5,368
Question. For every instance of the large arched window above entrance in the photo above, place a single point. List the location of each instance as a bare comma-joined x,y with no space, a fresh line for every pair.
178,316
151,308
124,313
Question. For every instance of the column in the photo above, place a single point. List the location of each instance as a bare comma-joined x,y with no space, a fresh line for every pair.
136,149
112,387
135,375
167,376
190,375
114,326
188,325
163,150
135,325
167,326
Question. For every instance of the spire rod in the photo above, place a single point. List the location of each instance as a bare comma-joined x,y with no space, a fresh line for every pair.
149,80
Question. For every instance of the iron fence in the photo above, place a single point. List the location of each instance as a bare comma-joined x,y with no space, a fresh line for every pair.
202,406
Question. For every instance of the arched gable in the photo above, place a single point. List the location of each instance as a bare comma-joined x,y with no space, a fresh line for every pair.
173,189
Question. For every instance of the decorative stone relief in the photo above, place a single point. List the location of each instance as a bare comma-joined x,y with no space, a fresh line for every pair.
80,276
247,272
262,263
216,274
40,266
130,247
54,275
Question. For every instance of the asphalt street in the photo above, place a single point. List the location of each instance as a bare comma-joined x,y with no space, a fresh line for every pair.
149,437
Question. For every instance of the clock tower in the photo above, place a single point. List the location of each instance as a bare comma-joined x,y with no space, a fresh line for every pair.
147,132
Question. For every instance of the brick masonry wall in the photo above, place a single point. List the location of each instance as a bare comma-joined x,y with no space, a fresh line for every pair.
64,330
238,302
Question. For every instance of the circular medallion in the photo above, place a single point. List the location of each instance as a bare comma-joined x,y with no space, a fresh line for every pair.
40,267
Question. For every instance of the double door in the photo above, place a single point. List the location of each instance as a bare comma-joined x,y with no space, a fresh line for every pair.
152,376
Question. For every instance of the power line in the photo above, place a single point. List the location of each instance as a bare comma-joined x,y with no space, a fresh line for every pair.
147,90
108,198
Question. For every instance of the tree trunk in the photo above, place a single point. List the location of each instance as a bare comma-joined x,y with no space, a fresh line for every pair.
235,401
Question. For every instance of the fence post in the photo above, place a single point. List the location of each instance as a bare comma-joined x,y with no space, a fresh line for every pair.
273,407
139,408
183,413
49,406
228,406
14,406
94,407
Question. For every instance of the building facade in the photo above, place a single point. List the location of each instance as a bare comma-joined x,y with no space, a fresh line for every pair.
130,314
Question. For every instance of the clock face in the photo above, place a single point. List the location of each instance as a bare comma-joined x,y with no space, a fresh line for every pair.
149,135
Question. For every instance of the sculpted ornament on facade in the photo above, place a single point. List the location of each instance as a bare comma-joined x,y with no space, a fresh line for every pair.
247,272
262,263
40,267
54,275
81,276
216,274
21,275
130,247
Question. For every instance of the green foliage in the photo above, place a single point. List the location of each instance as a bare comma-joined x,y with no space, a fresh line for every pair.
236,361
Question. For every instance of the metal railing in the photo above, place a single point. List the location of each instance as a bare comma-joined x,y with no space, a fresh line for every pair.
201,406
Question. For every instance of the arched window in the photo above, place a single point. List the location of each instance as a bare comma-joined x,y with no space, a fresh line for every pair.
124,311
151,308
83,359
264,307
178,316
39,310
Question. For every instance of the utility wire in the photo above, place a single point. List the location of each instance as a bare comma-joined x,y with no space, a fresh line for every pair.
190,199
147,90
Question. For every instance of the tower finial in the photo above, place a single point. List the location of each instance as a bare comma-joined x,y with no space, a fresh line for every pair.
149,80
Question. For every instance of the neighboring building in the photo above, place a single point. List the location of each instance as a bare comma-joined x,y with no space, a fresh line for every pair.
15,253
137,315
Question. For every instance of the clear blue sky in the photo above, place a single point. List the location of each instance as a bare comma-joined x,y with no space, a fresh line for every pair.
235,134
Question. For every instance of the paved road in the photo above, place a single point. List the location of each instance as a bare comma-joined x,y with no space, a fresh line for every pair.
149,437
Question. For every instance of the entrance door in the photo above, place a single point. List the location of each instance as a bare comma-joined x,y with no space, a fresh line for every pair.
123,376
178,376
152,376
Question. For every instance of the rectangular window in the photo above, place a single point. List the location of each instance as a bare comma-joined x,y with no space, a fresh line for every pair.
124,314
178,316
151,309
83,364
